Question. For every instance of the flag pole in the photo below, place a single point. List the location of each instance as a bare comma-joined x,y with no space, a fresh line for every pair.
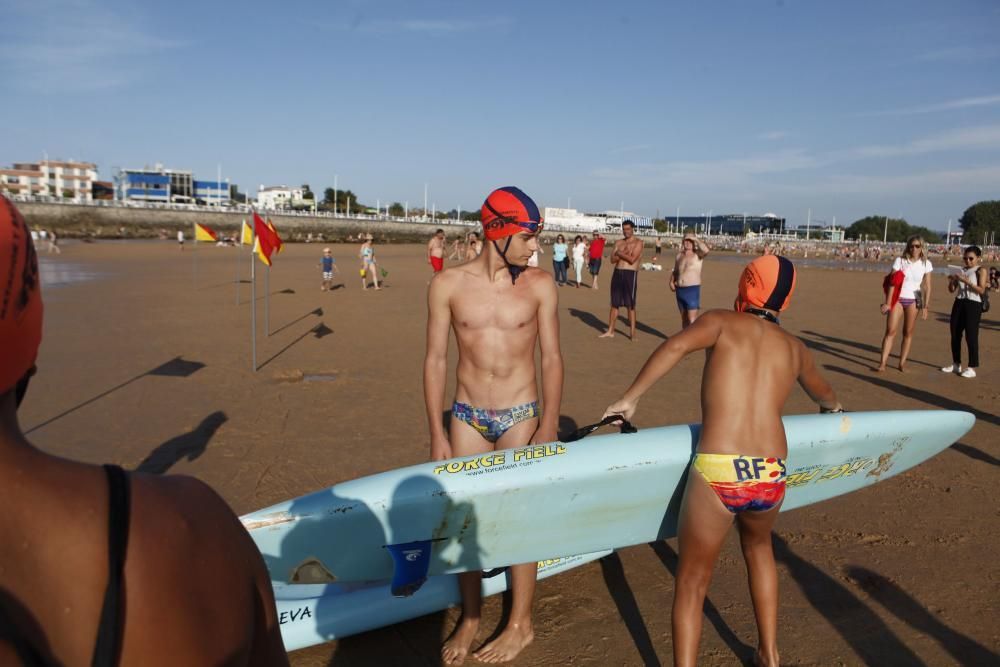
253,301
239,254
267,300
196,256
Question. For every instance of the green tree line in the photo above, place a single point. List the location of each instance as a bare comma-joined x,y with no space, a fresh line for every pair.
981,221
895,230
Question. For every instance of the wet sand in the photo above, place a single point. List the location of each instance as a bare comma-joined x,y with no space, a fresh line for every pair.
147,364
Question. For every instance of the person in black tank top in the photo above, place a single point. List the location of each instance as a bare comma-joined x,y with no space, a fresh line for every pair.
55,609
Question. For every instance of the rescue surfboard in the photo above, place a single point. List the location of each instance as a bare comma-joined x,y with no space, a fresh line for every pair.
557,500
311,614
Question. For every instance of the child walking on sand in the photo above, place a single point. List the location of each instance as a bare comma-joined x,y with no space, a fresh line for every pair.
329,266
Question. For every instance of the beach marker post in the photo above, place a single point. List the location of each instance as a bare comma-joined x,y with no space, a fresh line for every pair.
239,254
253,302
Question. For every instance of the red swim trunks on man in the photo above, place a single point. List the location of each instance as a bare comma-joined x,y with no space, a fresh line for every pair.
437,263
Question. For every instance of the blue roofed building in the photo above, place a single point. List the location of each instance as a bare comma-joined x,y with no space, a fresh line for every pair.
171,186
212,193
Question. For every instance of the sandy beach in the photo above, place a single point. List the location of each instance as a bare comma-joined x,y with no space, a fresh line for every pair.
146,363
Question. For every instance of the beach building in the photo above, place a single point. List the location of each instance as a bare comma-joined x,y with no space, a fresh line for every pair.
212,193
171,186
155,184
22,182
572,220
66,179
103,190
733,224
276,197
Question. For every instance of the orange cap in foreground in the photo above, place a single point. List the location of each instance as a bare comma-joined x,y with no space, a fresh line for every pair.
767,282
20,297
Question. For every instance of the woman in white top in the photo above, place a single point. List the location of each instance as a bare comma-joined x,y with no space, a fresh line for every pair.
579,255
915,294
971,284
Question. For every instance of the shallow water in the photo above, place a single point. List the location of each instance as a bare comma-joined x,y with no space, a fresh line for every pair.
816,262
57,274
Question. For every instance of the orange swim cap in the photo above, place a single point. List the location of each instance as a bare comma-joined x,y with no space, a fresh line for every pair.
766,282
20,298
508,211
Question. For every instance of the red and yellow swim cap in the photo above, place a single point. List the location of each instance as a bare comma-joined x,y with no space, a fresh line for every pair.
508,211
767,282
20,298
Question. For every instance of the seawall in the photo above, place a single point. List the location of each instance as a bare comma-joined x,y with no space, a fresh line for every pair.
90,221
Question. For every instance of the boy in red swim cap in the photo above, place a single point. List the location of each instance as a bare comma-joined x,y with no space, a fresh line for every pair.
500,310
750,370
96,564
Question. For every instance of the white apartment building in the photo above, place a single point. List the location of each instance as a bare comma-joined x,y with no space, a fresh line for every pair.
22,182
57,178
570,219
275,197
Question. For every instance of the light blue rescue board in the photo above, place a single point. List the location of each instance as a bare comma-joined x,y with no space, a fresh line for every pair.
317,613
557,500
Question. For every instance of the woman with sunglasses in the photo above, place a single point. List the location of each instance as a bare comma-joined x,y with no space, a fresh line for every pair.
914,296
971,284
559,253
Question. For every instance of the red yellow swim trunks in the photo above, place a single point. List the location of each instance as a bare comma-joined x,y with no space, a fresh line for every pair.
754,483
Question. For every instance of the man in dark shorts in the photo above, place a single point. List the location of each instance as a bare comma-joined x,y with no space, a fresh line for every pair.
624,281
596,255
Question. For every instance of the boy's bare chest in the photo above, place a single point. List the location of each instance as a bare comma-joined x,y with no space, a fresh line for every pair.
491,311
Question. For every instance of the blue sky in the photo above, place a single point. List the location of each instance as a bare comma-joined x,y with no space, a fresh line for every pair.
847,108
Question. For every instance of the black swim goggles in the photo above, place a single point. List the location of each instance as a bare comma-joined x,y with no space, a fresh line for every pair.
532,227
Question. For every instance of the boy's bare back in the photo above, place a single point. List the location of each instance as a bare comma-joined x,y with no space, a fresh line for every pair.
750,370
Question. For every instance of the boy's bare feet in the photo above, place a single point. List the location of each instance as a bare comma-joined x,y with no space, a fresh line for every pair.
607,334
514,638
456,648
760,661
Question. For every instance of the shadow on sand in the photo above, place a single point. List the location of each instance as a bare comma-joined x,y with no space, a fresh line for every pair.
894,599
860,627
318,312
874,349
319,331
628,609
189,445
176,367
597,324
917,394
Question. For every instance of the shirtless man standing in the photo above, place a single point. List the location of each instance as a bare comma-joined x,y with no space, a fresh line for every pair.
435,251
499,310
625,256
686,278
96,564
750,370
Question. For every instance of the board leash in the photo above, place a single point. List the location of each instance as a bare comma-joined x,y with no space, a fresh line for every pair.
584,431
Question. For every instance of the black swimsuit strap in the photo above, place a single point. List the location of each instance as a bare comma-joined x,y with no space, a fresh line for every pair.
109,631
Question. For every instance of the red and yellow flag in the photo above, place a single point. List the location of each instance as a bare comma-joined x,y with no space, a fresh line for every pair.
266,242
246,234
204,233
281,245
